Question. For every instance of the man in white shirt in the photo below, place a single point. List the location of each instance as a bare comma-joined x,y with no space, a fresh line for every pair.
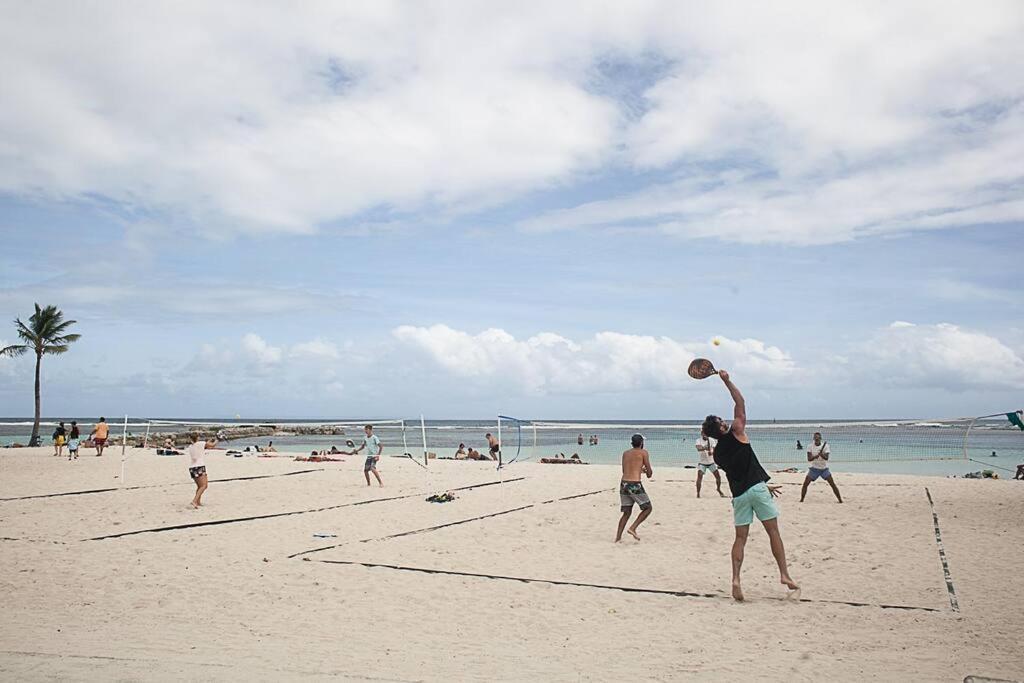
818,454
196,453
706,462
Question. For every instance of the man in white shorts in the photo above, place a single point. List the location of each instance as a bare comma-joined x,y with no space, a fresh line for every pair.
818,453
706,463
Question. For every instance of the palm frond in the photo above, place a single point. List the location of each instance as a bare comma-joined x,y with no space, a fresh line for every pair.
14,350
55,349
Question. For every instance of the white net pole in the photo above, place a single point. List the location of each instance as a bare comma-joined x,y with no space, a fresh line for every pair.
124,447
405,446
423,433
145,439
500,444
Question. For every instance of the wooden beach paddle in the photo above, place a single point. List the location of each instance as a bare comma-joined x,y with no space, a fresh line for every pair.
701,368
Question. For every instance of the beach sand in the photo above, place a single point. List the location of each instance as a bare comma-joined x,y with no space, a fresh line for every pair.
248,598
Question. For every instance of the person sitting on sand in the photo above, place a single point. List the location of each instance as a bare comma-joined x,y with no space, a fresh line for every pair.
461,453
1020,472
706,463
474,454
335,451
196,452
169,443
576,457
748,481
635,461
270,448
818,454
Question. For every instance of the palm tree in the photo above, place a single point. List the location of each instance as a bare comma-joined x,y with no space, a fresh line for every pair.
44,334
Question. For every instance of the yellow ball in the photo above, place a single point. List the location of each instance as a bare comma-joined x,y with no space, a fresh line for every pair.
716,341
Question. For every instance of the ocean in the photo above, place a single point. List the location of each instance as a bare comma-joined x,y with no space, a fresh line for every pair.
884,446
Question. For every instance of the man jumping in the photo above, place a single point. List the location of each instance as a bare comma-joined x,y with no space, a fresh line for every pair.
747,480
818,454
631,490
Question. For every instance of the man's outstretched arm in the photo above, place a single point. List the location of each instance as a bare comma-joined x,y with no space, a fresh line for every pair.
739,415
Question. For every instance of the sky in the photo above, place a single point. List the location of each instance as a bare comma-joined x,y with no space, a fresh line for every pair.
543,210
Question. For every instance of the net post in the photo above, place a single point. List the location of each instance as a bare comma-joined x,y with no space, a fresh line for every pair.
405,445
145,439
423,433
967,435
124,446
499,442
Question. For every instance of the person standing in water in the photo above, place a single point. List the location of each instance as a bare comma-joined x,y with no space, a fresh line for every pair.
748,481
631,490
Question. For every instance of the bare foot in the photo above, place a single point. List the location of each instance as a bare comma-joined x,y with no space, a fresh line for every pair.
722,495
632,532
618,538
737,592
789,583
193,505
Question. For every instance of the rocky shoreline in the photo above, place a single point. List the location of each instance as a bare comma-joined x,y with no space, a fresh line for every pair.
183,438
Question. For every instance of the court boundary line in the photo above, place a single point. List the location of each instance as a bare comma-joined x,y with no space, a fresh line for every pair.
625,589
445,525
234,520
953,602
155,486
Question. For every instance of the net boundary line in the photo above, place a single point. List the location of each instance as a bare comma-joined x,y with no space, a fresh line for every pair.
953,602
153,486
625,589
445,525
217,522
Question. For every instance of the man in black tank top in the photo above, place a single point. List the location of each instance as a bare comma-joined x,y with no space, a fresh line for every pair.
748,481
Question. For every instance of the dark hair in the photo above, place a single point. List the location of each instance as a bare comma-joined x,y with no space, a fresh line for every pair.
194,436
103,419
637,440
368,427
710,426
487,434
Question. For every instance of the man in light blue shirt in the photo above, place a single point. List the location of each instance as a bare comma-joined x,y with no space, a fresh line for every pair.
373,448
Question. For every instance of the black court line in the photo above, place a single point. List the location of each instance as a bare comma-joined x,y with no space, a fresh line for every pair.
624,589
235,520
156,486
942,554
443,526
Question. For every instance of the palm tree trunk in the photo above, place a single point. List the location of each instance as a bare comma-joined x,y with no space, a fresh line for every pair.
34,441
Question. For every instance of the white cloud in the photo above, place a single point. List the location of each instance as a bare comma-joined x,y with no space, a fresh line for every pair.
838,120
315,348
607,362
941,356
259,351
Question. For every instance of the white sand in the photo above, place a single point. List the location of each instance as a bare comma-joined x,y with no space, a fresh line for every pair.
225,601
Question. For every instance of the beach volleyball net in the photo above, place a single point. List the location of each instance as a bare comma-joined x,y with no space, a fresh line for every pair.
777,442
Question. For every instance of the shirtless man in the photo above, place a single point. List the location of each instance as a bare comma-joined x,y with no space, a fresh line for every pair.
493,446
634,462
748,481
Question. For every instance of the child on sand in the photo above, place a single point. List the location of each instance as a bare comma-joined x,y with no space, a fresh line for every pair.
748,481
196,452
73,440
634,462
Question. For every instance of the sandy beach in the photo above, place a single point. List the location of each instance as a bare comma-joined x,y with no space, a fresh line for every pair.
516,579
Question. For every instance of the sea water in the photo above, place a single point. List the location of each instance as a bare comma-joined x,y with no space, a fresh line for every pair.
870,446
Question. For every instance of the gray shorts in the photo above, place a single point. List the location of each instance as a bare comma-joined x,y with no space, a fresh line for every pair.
370,463
633,492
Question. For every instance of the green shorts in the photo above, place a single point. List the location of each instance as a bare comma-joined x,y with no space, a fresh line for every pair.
755,500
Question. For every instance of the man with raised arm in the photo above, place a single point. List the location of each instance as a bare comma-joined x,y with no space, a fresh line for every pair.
634,462
748,481
818,454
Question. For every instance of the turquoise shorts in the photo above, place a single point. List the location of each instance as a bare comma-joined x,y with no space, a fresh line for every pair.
754,501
